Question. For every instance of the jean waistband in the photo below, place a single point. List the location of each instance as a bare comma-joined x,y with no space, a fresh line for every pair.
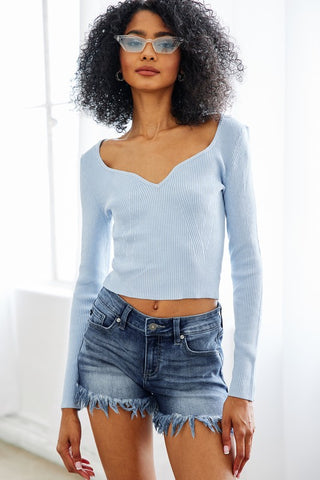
189,323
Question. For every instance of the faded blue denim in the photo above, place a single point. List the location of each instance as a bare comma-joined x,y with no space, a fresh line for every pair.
169,367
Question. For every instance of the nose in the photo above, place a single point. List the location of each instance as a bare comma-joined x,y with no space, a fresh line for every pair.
148,51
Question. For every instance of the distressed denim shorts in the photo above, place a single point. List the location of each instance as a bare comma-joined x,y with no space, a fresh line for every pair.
169,367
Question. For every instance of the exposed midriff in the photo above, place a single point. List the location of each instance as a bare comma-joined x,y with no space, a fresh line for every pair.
172,308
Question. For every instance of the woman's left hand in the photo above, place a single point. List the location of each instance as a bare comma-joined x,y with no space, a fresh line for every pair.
238,414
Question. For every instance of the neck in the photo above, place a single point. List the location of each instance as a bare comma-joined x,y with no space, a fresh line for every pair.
151,113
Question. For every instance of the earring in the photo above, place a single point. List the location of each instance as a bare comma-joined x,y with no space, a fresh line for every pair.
120,79
181,77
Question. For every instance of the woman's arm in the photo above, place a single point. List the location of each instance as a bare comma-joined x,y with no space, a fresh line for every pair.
246,272
246,265
95,256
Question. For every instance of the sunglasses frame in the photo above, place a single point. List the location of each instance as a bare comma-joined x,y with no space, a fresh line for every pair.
178,41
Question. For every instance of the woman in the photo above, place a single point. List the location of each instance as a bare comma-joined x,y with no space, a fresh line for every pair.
145,338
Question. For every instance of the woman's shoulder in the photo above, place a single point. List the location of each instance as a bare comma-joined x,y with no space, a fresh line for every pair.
231,133
233,124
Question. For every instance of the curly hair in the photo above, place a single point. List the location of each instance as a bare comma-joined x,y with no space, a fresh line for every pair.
209,60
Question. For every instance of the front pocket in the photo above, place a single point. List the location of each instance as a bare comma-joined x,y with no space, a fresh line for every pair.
105,318
203,343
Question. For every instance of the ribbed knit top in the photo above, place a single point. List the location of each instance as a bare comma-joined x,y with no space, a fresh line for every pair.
168,241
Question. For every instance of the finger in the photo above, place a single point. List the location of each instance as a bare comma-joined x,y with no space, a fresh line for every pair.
226,438
248,446
85,463
90,474
66,455
84,474
81,465
240,450
76,455
83,468
77,460
87,469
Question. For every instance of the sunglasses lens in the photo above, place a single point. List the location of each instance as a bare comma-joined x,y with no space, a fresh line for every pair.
166,45
132,44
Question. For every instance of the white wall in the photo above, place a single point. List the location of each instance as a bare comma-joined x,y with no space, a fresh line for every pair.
301,260
41,317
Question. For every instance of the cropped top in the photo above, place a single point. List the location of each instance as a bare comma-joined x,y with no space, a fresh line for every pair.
168,241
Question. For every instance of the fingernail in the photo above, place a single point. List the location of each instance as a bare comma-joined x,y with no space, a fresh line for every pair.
226,449
236,473
78,465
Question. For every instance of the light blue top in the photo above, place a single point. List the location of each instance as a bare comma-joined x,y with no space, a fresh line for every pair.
168,241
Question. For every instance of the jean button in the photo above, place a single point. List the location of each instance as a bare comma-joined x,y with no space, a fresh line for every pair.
182,337
118,319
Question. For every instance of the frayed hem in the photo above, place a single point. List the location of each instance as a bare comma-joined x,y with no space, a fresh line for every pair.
85,398
162,422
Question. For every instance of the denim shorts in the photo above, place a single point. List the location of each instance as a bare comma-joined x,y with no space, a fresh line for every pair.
170,367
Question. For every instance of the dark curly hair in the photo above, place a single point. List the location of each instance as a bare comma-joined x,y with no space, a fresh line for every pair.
209,60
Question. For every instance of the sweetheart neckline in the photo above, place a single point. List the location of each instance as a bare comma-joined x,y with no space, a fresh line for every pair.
159,184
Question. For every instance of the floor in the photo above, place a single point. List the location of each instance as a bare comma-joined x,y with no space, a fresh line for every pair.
17,464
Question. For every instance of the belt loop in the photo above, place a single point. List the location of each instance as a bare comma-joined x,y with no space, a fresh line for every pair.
124,315
176,330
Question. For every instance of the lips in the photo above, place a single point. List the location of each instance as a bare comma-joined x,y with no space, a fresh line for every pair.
149,69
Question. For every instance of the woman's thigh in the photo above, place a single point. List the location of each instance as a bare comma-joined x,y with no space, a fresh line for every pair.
198,457
125,444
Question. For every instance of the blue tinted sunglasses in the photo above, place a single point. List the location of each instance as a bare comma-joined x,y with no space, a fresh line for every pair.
131,43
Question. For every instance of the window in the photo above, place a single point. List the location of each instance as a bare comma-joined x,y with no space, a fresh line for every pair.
45,214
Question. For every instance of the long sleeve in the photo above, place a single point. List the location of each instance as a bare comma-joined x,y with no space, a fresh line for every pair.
246,266
95,256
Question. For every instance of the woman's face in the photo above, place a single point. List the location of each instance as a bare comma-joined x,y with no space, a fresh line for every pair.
147,24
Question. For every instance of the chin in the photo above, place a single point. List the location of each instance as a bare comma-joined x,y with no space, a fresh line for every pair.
150,83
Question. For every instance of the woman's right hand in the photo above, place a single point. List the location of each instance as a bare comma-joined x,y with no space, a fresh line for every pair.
68,445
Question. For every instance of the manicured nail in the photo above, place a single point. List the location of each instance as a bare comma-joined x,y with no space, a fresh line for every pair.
236,473
78,465
226,449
